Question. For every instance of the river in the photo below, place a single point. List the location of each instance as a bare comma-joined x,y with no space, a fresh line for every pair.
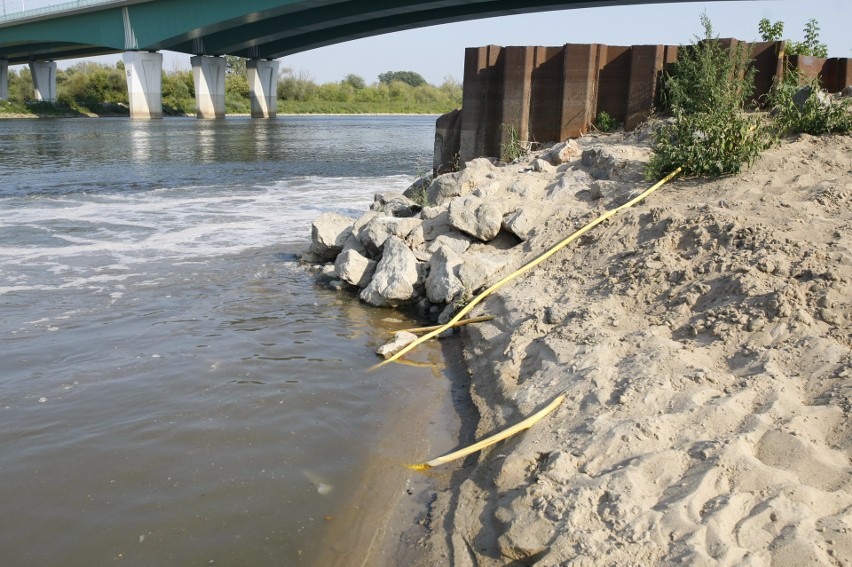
174,387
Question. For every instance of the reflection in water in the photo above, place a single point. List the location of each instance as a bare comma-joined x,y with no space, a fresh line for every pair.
140,142
205,141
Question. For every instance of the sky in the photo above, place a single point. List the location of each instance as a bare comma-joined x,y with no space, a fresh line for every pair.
437,52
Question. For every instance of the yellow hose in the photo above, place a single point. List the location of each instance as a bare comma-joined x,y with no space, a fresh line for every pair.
488,441
530,265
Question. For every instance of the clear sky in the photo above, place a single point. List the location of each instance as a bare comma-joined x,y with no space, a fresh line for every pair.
438,52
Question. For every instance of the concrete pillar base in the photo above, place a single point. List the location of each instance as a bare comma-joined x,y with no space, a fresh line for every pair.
263,87
44,80
144,83
209,75
4,79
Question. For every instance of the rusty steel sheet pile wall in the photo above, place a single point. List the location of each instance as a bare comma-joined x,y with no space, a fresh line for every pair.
550,94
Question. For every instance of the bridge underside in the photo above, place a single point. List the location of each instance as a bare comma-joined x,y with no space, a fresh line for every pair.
254,29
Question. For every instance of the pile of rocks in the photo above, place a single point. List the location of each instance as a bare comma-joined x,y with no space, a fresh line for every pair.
468,229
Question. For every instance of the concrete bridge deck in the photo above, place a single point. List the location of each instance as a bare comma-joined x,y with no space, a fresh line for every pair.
258,30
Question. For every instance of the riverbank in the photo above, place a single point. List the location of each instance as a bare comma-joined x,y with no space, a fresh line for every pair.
703,339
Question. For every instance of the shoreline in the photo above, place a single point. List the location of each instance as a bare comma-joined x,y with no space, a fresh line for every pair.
703,339
17,116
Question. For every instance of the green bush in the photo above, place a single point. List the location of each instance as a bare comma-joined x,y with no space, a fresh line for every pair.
707,144
711,134
819,114
605,122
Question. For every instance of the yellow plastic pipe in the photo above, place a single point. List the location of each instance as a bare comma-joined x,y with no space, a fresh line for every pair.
488,441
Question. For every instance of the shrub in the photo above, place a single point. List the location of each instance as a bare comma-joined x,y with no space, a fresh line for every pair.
816,114
605,122
711,133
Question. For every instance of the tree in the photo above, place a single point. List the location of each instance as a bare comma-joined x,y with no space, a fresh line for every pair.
235,65
810,46
769,31
357,82
407,77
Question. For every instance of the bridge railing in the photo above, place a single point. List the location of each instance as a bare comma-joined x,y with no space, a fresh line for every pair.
55,9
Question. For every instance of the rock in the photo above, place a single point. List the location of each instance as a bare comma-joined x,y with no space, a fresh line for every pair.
453,239
600,163
328,234
442,283
522,222
443,189
354,268
395,276
375,232
847,91
353,243
541,166
477,269
326,274
447,313
569,184
363,221
601,189
400,340
562,152
476,218
487,190
475,173
416,239
447,187
417,190
436,221
802,95
395,204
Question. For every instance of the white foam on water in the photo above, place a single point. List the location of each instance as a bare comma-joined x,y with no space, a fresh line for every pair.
97,241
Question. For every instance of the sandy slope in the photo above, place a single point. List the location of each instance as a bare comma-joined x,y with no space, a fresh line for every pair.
704,340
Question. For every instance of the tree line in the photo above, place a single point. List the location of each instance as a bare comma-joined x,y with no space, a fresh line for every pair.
97,88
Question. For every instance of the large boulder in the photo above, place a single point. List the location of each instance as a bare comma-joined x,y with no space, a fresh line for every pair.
436,221
328,234
442,283
453,239
472,216
354,268
374,234
395,277
445,188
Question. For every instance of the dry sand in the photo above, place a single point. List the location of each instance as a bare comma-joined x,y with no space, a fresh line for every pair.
704,341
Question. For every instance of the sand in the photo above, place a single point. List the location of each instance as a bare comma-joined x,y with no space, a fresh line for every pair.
704,340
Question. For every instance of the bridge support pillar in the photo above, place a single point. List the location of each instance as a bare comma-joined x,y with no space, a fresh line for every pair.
144,83
4,79
209,75
44,79
263,87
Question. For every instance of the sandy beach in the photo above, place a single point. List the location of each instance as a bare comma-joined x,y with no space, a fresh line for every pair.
704,340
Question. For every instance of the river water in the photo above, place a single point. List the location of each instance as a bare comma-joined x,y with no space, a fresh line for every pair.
174,388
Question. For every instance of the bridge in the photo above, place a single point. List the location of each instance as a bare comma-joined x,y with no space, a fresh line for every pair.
258,30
